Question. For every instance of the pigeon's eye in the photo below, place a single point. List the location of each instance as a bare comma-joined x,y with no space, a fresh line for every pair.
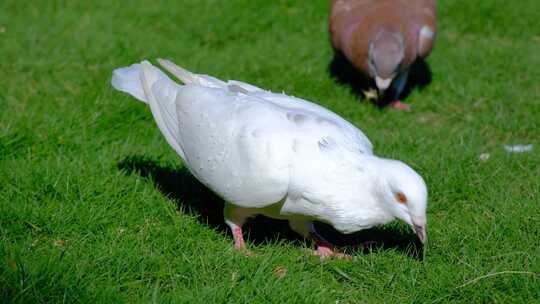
401,198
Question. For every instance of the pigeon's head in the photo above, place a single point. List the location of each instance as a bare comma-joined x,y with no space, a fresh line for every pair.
405,196
386,53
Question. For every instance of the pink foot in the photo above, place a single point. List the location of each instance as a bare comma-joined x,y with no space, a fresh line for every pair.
397,104
326,250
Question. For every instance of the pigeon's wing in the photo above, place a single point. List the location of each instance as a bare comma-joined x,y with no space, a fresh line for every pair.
235,144
355,138
351,25
423,14
243,146
291,104
348,134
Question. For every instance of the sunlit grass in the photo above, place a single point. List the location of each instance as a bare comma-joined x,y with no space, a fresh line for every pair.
95,207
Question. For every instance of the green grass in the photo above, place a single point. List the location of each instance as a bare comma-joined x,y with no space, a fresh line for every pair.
89,210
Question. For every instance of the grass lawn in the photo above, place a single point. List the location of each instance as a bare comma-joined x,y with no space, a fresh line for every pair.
96,208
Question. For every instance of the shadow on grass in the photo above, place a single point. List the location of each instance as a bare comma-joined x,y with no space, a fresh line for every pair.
346,74
192,196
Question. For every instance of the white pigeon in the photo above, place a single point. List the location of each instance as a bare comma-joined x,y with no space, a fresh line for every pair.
276,155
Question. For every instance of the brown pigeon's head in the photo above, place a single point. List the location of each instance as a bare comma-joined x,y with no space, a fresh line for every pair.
386,52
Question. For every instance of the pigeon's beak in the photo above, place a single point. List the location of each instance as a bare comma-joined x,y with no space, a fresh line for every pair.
382,83
421,233
419,227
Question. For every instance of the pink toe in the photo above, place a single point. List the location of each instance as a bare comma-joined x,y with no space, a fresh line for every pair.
401,106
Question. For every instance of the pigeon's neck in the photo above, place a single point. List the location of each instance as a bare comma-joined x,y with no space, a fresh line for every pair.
350,197
355,218
366,205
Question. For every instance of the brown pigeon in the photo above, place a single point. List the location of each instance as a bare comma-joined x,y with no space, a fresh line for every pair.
383,38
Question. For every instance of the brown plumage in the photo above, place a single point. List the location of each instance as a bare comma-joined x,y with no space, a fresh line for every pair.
383,38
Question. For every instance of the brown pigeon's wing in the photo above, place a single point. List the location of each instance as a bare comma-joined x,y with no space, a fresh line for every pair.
350,28
344,15
424,14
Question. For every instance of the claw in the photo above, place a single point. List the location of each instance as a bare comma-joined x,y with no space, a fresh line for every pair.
324,253
326,250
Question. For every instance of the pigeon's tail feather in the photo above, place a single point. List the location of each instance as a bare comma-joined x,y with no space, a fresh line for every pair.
160,93
150,85
191,78
127,79
182,74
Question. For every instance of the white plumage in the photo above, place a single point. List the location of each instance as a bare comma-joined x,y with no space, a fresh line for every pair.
276,155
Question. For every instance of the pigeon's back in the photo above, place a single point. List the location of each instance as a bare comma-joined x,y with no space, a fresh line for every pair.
353,23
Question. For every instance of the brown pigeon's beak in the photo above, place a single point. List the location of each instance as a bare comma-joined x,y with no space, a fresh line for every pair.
420,231
382,83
